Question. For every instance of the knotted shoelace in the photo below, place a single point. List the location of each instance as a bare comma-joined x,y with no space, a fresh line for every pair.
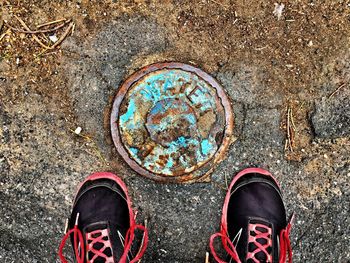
285,246
79,245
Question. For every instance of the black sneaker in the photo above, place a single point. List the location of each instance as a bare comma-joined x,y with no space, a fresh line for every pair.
102,224
253,225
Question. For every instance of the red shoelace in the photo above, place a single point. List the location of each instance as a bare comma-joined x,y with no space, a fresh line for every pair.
79,245
285,246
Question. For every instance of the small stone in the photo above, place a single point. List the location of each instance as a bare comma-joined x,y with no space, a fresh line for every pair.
78,130
53,38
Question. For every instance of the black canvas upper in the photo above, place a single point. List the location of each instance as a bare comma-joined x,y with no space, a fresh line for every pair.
255,199
102,204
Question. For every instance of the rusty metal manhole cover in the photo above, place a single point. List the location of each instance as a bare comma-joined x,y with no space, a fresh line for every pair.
171,122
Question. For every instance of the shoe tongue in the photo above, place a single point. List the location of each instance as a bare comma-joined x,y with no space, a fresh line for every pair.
96,226
260,241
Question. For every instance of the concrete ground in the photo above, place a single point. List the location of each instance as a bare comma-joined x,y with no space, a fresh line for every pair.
267,63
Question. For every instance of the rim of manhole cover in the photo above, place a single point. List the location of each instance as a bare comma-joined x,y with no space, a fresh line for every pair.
172,122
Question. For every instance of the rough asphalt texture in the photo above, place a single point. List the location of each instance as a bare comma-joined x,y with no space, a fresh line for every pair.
41,162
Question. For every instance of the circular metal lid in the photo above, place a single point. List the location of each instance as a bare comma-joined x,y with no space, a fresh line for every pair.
171,122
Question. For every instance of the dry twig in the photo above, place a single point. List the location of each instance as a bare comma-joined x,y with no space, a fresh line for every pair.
47,53
261,48
34,36
4,34
218,3
289,144
219,185
65,34
94,146
340,87
37,31
54,22
226,183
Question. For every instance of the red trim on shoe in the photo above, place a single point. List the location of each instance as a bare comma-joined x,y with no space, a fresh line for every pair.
228,194
285,246
115,178
230,249
130,235
77,237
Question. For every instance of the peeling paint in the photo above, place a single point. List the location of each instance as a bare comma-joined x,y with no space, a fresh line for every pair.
171,121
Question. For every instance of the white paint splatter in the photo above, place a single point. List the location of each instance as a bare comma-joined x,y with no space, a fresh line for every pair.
78,130
278,10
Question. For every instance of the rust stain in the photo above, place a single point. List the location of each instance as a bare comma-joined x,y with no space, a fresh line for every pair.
172,122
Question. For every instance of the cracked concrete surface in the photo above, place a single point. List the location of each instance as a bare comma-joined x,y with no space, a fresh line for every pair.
42,161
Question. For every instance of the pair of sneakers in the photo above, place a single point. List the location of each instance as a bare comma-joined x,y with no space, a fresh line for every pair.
254,228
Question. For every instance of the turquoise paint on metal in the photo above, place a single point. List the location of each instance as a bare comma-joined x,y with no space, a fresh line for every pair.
171,122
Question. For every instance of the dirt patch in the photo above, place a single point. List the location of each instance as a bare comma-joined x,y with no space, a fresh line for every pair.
265,63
